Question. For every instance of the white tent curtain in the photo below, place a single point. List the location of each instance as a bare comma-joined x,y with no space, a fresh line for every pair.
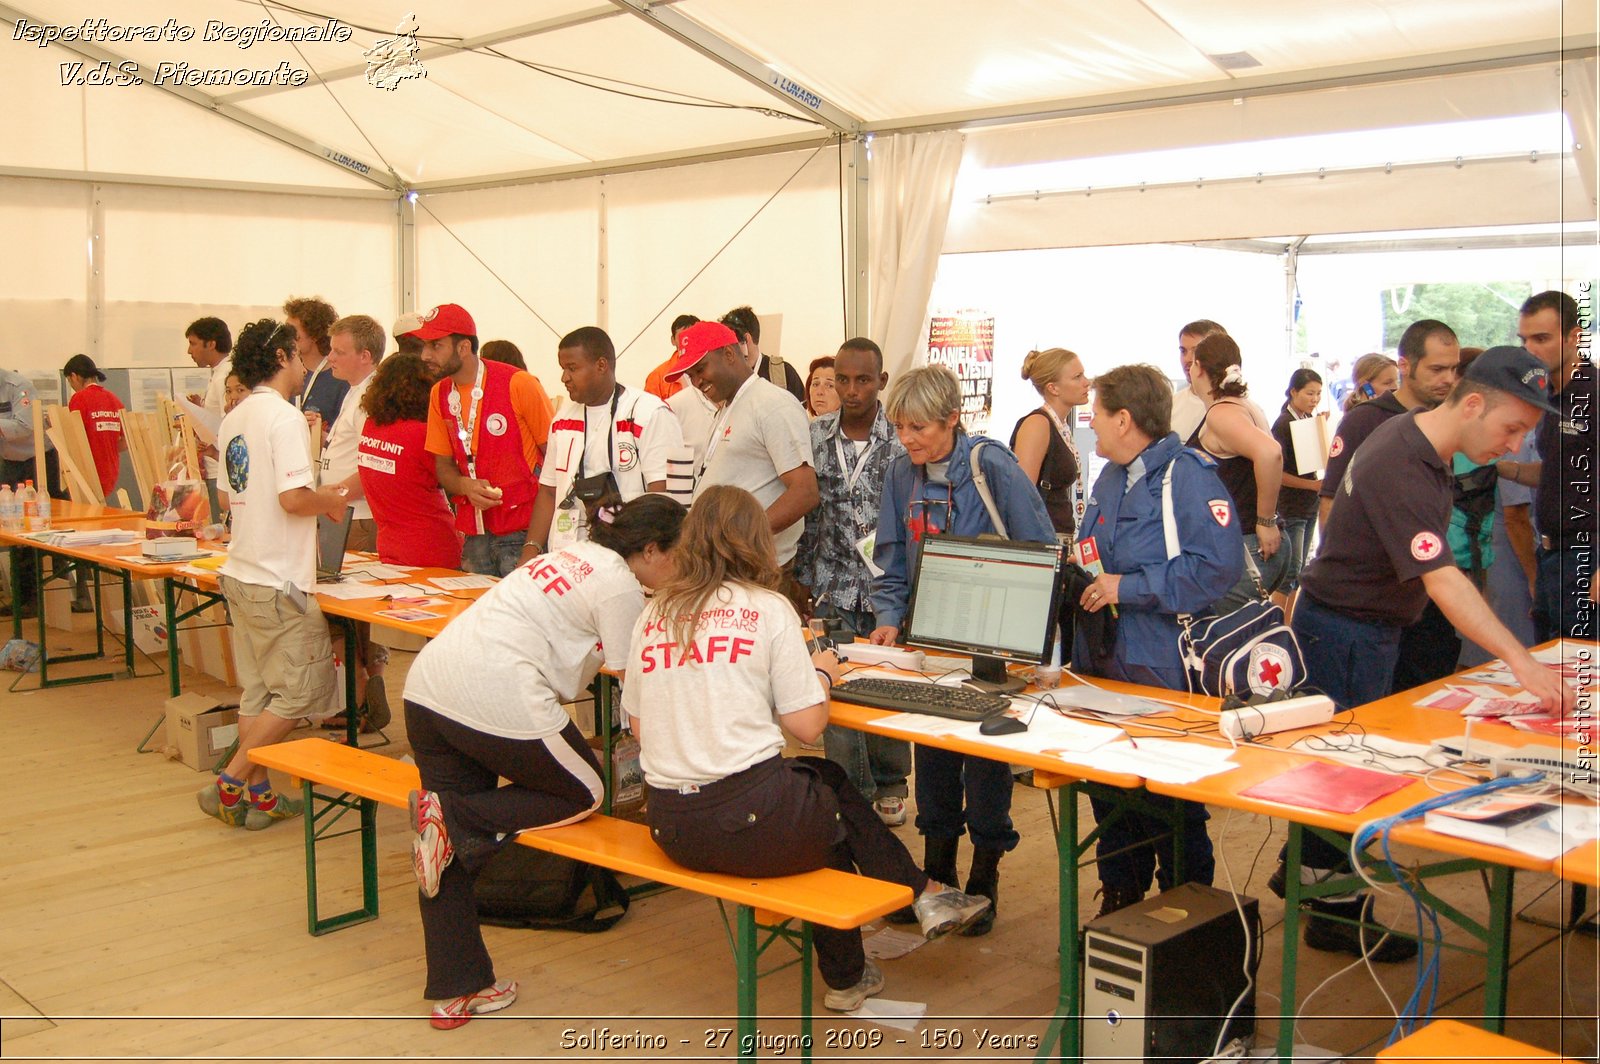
912,177
1578,83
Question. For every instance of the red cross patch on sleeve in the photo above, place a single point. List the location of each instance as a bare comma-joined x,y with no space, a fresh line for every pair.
1425,546
1221,510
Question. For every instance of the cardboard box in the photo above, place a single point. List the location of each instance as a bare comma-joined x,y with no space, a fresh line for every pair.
627,778
201,728
205,644
150,631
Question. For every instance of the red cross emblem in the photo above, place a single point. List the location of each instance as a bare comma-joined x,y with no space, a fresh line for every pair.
1270,672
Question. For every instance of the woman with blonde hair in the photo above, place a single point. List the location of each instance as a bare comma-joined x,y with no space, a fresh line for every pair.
1373,375
718,672
1042,439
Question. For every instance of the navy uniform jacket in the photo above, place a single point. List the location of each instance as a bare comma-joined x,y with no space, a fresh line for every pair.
903,518
1127,529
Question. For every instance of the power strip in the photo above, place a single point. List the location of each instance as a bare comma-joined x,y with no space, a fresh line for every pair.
873,654
1270,717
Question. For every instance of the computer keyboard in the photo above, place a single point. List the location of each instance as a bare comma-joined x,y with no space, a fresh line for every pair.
909,696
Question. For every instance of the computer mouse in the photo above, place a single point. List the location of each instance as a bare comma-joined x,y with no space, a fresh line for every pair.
1002,724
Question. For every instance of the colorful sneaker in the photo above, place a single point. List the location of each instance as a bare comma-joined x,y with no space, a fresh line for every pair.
431,852
891,810
264,815
211,804
448,1015
947,911
850,998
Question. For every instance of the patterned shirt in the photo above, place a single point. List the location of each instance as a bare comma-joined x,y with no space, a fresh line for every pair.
850,482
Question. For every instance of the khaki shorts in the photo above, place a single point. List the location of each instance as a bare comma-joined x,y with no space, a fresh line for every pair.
281,652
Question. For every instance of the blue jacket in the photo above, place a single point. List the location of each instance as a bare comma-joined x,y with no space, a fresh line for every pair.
1127,528
897,546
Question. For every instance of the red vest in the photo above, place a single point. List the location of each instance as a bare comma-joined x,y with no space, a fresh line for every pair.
498,459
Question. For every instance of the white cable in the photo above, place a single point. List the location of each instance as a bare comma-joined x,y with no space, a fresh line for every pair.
1249,936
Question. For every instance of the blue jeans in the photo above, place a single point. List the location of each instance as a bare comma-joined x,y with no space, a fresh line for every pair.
1131,870
1272,576
1561,606
957,793
492,555
876,764
1352,662
1296,545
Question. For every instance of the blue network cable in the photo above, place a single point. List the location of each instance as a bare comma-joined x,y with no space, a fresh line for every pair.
1427,984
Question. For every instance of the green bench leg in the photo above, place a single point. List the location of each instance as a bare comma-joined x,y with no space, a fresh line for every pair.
744,959
318,827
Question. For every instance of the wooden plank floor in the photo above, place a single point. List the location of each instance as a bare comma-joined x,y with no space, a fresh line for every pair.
135,927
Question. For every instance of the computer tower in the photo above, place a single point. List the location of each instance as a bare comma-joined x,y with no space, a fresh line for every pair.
1160,977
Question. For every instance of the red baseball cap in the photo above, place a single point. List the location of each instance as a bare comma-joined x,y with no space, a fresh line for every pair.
447,319
695,341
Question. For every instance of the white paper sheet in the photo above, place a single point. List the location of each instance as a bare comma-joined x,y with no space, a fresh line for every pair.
901,1015
1166,760
350,590
203,421
1098,700
887,944
469,582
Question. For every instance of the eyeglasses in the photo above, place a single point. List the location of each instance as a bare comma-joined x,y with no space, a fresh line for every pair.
920,516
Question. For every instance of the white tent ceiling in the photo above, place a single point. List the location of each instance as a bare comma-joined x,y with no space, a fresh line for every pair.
519,89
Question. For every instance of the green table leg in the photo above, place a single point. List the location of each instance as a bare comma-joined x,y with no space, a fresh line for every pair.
1062,1036
744,956
1498,946
1291,943
169,602
16,581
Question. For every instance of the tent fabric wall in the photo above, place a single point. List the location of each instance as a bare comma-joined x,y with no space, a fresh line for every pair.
631,251
44,288
911,178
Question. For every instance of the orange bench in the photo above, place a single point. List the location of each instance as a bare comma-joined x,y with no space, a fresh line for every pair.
358,780
1453,1040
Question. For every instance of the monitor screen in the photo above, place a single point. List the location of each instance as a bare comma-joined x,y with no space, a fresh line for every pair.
992,598
332,535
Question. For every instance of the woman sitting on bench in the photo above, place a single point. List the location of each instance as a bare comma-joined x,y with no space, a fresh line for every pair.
718,667
484,701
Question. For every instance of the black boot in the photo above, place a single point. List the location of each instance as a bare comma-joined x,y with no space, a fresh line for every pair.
985,882
1337,937
939,862
1114,897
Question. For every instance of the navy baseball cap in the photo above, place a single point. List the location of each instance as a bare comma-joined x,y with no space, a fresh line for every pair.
1516,372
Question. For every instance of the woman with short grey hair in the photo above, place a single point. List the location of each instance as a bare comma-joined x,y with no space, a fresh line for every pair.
930,490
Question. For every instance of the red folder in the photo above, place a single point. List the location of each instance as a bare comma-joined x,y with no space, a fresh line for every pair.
1329,787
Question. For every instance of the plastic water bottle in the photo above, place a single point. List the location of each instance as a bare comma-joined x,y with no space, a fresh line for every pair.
30,506
42,518
8,505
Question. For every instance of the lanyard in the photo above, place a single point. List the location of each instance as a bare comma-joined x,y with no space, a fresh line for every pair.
853,475
464,430
611,436
716,427
1066,434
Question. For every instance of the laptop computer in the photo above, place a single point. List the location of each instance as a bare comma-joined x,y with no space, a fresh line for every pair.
332,535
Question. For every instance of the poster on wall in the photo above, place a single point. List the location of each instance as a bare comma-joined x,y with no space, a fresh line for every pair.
964,342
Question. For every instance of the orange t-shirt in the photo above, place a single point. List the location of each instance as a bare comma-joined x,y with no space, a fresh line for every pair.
532,408
658,385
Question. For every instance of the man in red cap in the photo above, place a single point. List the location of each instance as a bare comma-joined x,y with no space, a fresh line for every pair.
759,441
487,427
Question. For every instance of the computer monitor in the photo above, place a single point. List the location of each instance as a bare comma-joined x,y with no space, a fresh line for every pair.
994,599
332,535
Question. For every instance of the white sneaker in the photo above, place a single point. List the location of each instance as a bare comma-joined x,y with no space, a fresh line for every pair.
947,911
431,852
850,998
448,1015
891,810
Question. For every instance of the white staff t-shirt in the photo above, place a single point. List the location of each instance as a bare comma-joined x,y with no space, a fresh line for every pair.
339,453
645,434
266,451
533,641
710,709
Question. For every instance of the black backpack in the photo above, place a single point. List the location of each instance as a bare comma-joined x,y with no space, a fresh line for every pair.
524,887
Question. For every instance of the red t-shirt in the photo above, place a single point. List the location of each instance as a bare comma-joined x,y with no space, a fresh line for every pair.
415,525
103,422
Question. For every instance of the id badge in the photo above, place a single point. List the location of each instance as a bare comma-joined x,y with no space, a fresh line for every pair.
864,547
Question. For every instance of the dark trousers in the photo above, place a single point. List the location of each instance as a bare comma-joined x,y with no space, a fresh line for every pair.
1133,868
957,793
14,473
1352,662
876,764
781,817
1429,650
552,781
1561,601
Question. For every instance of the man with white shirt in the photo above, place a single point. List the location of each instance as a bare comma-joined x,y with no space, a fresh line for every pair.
604,429
210,344
760,440
355,347
1188,409
280,638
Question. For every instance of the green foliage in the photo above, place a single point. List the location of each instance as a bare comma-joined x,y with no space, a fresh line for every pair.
1482,315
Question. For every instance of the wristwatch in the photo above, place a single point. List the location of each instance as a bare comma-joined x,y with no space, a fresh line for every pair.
1268,521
